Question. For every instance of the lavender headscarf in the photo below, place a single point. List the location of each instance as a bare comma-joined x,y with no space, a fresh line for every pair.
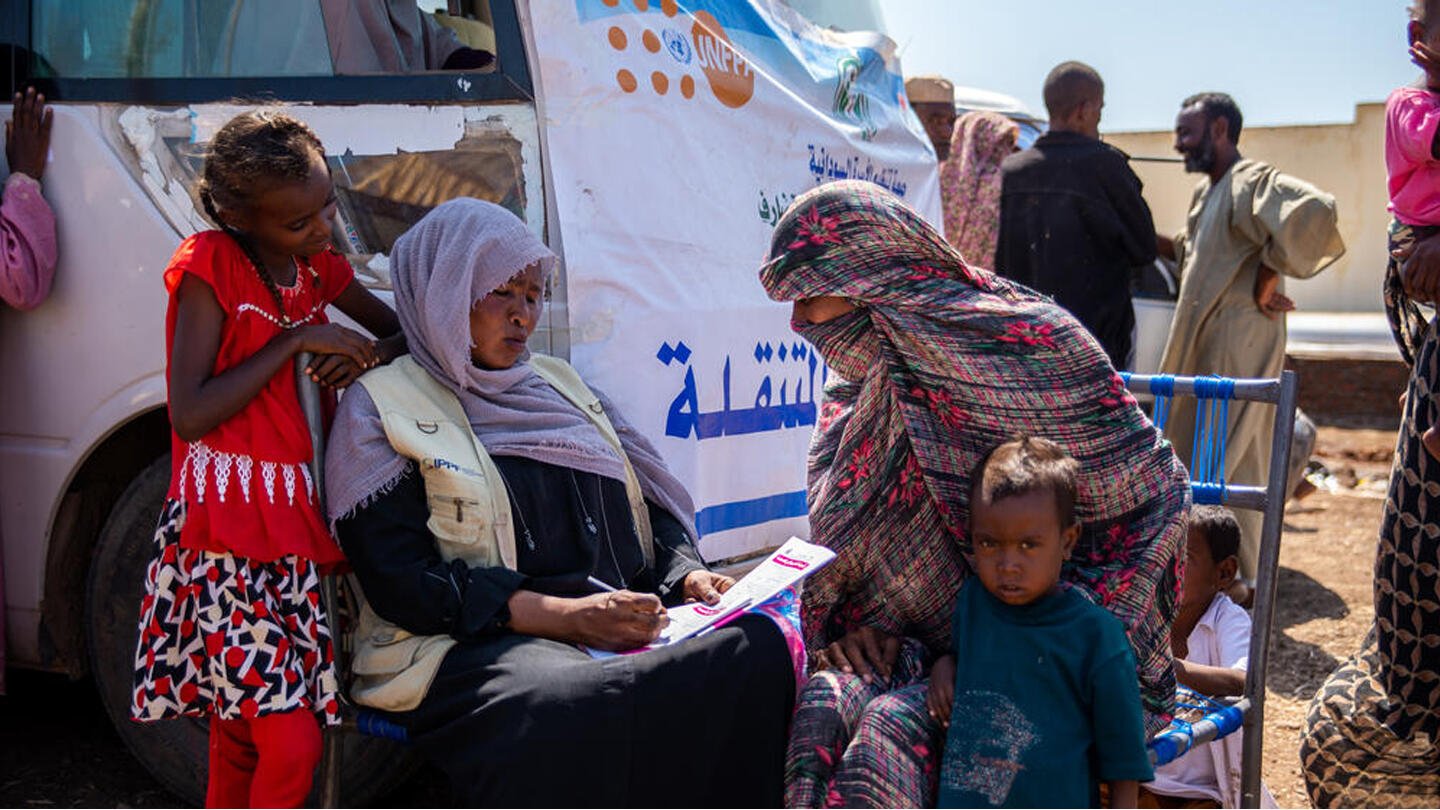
476,246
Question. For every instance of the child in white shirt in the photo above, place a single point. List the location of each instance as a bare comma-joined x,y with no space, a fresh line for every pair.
1211,642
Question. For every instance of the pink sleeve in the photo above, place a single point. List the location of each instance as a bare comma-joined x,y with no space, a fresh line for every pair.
27,243
1412,118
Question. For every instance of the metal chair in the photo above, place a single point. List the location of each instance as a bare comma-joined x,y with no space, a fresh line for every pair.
1210,487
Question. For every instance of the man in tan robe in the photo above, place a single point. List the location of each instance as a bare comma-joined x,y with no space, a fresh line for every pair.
1248,226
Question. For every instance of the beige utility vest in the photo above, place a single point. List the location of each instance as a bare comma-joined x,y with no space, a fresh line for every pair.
469,512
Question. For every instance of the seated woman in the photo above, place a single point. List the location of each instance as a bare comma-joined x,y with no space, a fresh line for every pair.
934,363
475,488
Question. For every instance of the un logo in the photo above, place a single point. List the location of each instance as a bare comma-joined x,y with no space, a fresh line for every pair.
678,46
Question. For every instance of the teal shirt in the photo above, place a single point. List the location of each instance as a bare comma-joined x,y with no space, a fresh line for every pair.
1047,703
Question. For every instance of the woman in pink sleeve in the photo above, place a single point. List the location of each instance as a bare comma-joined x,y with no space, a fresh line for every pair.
27,225
1381,707
1412,161
27,235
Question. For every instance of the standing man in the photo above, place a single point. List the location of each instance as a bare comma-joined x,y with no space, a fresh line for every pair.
1072,222
933,100
1248,225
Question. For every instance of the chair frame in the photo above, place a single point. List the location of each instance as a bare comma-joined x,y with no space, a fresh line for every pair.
309,394
1283,393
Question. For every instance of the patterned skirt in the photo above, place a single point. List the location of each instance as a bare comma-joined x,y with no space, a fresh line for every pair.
857,744
1372,726
224,635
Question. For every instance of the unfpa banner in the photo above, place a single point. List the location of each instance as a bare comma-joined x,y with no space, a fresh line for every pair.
678,133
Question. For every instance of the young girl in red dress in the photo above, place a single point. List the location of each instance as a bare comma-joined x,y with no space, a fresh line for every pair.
231,624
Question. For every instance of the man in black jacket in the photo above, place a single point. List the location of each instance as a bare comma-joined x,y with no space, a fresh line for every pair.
1072,222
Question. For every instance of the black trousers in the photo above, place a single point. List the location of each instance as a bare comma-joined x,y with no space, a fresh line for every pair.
523,721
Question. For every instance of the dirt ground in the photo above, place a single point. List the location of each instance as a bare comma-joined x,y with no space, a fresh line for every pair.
58,750
1324,605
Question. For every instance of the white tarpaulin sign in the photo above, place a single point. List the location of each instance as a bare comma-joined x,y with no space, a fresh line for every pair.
678,133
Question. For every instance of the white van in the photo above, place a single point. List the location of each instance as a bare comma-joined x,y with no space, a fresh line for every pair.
138,86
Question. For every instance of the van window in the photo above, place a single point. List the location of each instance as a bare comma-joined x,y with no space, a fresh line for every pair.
163,39
105,39
379,196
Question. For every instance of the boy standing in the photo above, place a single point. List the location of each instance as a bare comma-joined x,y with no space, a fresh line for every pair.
1073,224
1046,704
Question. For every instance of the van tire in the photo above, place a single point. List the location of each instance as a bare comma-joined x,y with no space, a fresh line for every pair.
175,751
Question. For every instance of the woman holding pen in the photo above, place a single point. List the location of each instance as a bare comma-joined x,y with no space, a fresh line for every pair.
499,515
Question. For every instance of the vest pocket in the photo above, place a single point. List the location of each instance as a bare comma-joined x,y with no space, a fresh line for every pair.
455,517
382,648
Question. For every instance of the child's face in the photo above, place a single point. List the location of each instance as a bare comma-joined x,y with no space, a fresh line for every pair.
1019,545
293,218
1204,577
1418,32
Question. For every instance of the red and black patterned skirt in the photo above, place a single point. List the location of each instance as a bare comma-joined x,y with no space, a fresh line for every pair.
224,635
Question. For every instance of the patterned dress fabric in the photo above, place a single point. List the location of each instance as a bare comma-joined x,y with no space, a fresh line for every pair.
236,637
1372,726
970,183
939,363
231,621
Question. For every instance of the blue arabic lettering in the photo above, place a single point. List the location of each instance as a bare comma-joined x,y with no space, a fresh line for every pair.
685,419
824,166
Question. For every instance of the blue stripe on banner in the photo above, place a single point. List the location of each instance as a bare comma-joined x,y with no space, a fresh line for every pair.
738,514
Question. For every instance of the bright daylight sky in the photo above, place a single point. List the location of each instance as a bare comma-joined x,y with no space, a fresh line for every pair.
1284,61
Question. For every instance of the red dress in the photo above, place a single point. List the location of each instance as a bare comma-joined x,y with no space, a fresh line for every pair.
231,621
245,484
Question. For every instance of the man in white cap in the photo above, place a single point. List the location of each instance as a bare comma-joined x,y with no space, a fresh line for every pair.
933,99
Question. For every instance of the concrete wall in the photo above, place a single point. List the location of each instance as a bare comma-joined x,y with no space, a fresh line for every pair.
1346,160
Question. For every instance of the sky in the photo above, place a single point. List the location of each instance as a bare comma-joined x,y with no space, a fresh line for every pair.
1284,61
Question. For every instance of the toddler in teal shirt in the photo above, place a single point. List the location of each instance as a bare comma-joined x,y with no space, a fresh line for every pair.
1040,698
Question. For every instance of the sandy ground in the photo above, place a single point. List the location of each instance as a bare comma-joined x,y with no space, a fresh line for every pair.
58,750
1323,609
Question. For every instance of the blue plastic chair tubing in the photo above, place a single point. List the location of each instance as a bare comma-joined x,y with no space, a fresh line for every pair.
1212,421
371,724
1173,743
1162,386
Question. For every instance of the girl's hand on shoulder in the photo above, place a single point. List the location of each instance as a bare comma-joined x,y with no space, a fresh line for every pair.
706,586
334,370
940,696
618,620
332,338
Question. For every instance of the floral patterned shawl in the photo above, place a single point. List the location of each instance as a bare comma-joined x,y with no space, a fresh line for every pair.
940,363
970,183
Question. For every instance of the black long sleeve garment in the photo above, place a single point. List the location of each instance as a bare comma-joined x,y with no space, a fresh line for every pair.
1073,225
569,525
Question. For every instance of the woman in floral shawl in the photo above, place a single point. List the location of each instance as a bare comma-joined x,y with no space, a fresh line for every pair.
933,363
970,183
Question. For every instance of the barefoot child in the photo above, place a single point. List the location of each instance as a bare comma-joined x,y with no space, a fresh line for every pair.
1046,703
1412,160
1211,641
230,626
